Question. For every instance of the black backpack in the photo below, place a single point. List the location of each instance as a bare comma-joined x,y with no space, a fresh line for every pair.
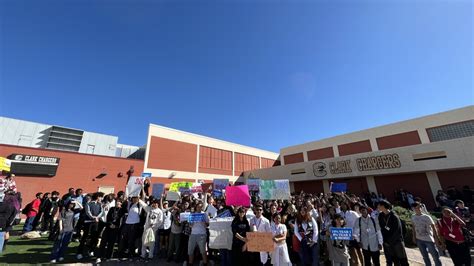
27,208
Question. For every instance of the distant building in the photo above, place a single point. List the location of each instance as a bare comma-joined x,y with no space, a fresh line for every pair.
421,155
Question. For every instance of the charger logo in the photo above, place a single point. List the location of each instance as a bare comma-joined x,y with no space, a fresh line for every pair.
18,157
319,169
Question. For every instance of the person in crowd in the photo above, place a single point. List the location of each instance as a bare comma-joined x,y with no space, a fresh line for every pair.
175,235
392,233
443,200
307,233
451,229
280,254
90,238
78,222
240,227
50,209
350,218
198,236
338,249
164,228
7,216
39,215
259,224
154,219
369,237
13,199
129,232
31,210
272,210
209,206
113,223
425,234
462,211
66,230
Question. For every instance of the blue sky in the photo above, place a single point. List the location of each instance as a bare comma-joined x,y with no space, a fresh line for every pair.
267,74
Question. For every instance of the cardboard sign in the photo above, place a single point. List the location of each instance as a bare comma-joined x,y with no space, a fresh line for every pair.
253,184
275,189
260,242
237,196
134,186
197,217
172,196
340,233
196,188
158,190
220,233
338,187
220,184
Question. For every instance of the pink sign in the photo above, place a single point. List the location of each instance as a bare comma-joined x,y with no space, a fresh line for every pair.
237,196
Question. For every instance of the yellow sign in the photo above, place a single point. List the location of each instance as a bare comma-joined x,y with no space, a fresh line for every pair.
5,164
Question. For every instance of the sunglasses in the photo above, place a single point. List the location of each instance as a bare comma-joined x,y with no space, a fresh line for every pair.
259,210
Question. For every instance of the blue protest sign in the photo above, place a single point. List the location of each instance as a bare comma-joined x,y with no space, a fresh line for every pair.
224,214
158,190
217,193
338,187
340,233
196,217
146,174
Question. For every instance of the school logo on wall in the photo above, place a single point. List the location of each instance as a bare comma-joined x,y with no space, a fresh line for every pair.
319,169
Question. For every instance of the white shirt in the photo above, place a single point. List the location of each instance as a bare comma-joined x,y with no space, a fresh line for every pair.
261,225
314,214
154,218
199,228
166,219
350,217
279,230
371,236
133,214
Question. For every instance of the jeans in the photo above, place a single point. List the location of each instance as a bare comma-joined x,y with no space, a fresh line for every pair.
428,247
174,245
225,257
2,240
459,253
29,224
107,243
60,245
309,255
373,256
90,231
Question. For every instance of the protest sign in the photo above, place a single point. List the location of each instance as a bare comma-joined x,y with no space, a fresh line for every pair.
134,186
158,190
176,185
184,191
260,242
220,184
217,193
184,216
196,188
338,187
237,196
254,184
275,189
172,196
5,164
338,233
146,175
224,214
220,233
197,217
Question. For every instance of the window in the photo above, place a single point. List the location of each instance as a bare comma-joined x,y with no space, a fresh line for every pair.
215,158
452,131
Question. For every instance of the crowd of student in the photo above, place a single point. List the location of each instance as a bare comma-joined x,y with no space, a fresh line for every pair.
146,227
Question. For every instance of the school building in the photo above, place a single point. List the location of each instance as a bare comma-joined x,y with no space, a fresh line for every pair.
421,155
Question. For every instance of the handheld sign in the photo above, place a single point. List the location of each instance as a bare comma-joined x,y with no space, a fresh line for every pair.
134,186
146,175
224,214
158,190
220,184
253,183
196,217
260,242
340,233
338,187
237,196
184,216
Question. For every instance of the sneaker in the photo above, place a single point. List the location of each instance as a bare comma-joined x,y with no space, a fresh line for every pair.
53,261
98,260
79,256
61,259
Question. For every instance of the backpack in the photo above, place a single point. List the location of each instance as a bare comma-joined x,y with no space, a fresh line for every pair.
27,208
360,230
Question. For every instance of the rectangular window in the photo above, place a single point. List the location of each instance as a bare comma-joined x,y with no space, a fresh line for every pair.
212,158
452,131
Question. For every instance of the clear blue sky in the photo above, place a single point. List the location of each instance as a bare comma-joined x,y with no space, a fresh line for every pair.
268,74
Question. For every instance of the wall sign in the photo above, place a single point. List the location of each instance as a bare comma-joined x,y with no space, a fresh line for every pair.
33,165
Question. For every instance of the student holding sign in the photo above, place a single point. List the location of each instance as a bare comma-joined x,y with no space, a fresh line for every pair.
240,227
198,235
260,224
338,249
